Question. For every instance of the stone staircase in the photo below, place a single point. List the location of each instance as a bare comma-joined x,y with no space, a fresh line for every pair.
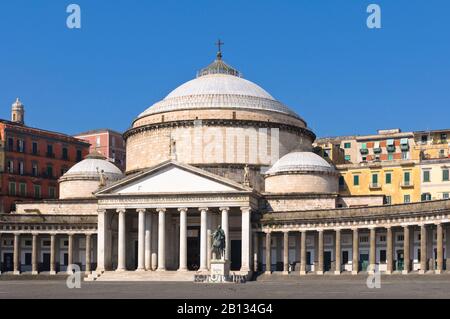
141,276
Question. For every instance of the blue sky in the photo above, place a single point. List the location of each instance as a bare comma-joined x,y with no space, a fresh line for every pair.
318,57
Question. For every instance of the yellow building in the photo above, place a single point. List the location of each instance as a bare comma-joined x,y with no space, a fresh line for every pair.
431,144
399,181
435,179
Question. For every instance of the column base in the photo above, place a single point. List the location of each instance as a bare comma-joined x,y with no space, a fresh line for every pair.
337,272
268,273
302,272
438,272
422,272
319,272
120,270
354,272
161,269
183,270
370,272
285,272
140,270
52,273
388,272
34,273
16,272
405,272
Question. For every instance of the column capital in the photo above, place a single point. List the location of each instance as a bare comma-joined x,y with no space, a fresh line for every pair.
121,210
101,211
203,209
183,209
161,210
246,209
141,210
337,230
88,235
34,234
224,209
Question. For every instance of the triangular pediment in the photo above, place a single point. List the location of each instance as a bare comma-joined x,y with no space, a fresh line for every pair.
173,177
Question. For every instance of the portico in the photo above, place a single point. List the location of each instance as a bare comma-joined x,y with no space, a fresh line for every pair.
170,230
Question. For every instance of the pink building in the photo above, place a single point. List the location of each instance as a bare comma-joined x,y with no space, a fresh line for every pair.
109,143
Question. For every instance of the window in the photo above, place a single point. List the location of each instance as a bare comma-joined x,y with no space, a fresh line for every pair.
65,154
388,178
407,199
49,170
10,144
442,153
10,166
443,137
50,151
341,181
364,158
97,141
445,196
52,192
347,145
406,178
12,188
21,146
37,191
388,200
424,139
356,180
400,238
426,176
21,168
382,238
46,243
390,145
445,175
426,197
113,141
364,239
34,169
405,155
27,259
390,157
35,148
23,189
326,153
348,158
79,156
374,179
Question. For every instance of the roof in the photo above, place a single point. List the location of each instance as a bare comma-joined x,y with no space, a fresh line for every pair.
96,131
301,162
93,165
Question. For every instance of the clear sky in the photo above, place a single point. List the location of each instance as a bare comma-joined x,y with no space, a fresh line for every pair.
318,57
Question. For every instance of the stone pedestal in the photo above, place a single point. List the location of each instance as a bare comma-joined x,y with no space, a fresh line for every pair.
220,271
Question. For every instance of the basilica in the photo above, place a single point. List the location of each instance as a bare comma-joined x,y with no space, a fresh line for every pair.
219,151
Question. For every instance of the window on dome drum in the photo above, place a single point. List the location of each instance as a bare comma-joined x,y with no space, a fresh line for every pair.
388,178
356,180
445,175
234,115
426,176
407,199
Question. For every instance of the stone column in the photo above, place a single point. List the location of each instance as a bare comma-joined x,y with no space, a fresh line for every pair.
70,254
285,253
303,253
53,254
161,239
338,252
183,239
203,239
373,251
155,235
88,253
268,253
406,250
1,253
141,239
148,241
34,255
209,220
320,252
355,254
447,247
255,252
389,251
103,244
246,242
440,248
122,242
226,230
16,254
423,249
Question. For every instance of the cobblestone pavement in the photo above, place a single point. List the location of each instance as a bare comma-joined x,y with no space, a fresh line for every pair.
276,287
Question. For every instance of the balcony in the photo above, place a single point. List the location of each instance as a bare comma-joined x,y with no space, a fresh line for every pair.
364,151
377,150
406,184
391,148
404,147
375,186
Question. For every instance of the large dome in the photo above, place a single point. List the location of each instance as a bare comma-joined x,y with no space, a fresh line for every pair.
218,86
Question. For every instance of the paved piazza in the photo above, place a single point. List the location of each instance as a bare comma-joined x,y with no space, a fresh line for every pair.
329,287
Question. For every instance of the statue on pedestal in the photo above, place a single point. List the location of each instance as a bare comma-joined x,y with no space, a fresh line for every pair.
218,243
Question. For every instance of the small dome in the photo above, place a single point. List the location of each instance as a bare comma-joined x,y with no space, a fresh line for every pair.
94,164
301,162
